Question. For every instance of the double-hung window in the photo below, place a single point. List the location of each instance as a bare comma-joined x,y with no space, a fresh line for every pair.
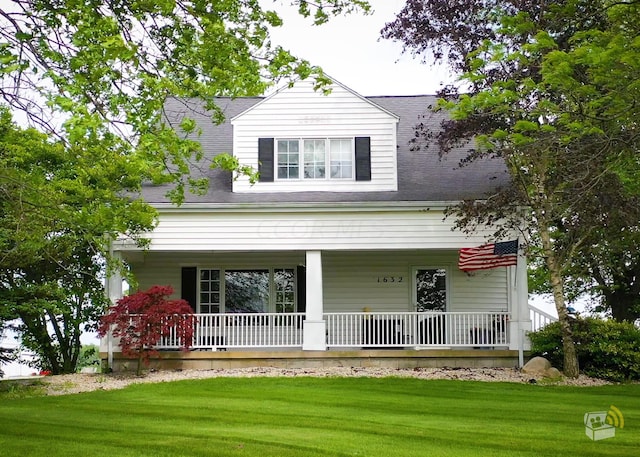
341,158
319,158
288,159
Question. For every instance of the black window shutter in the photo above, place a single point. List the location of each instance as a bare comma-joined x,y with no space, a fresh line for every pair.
189,286
301,288
265,159
363,158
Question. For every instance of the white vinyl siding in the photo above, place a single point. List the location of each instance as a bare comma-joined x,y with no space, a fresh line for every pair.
306,230
300,112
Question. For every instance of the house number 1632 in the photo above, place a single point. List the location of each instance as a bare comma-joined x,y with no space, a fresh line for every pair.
390,279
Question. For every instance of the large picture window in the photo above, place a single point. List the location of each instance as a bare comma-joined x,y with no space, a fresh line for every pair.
247,291
316,155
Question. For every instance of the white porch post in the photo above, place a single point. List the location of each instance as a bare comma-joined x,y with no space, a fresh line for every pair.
519,294
314,328
113,289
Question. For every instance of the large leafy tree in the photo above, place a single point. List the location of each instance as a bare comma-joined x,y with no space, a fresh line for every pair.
57,215
551,88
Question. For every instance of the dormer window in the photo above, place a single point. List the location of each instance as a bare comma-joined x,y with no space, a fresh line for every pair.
317,155
310,158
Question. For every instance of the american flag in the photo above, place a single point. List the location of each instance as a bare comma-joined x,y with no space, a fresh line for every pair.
488,256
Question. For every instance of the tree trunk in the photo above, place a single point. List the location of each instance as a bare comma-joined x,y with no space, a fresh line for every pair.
36,329
622,305
571,368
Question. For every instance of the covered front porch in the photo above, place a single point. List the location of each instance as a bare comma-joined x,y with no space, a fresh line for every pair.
414,304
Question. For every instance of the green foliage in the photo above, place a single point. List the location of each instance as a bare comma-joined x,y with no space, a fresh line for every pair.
89,357
94,76
60,207
19,389
606,349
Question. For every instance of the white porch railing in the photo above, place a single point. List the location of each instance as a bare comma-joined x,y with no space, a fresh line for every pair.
251,330
366,330
539,318
448,329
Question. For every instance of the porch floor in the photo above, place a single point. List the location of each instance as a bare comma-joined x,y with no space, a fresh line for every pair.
294,358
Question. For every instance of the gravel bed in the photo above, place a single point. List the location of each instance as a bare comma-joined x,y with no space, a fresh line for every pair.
76,383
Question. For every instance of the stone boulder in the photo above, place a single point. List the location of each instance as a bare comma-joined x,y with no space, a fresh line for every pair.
539,366
553,373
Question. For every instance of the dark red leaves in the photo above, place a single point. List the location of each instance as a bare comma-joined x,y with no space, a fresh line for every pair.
142,319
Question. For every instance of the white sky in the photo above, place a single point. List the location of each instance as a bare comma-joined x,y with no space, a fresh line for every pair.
349,49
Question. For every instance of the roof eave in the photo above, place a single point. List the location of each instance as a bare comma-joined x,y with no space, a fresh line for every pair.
305,206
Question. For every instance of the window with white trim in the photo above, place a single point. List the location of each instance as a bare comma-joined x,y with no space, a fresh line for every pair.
247,291
430,289
341,158
209,291
284,283
315,159
288,159
316,156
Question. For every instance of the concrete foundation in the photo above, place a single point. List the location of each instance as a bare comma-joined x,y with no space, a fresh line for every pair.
389,358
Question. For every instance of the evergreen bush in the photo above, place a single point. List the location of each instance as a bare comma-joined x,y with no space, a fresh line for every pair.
606,349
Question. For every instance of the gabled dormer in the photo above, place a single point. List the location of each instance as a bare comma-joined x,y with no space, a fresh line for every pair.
301,140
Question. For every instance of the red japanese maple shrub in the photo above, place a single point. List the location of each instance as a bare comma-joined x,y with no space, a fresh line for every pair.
140,320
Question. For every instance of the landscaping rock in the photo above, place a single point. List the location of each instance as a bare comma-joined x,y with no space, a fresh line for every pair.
541,367
553,373
537,365
79,382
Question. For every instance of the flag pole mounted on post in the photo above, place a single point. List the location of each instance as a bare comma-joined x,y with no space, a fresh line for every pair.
487,256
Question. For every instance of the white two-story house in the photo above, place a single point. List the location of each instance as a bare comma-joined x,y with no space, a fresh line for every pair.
340,253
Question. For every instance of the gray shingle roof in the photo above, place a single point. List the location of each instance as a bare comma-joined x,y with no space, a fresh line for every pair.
422,175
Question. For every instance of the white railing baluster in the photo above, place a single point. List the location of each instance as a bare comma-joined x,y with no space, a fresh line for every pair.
539,318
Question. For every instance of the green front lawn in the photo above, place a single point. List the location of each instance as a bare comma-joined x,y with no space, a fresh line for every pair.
319,417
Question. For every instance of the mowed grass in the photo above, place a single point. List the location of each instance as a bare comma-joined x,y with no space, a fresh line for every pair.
320,417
